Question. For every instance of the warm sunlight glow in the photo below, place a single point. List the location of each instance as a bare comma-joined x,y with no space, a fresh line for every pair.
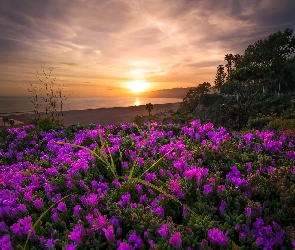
137,102
137,86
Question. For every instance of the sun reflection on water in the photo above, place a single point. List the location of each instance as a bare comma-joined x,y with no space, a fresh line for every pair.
137,102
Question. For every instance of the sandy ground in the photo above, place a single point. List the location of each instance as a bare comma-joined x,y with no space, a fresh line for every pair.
104,116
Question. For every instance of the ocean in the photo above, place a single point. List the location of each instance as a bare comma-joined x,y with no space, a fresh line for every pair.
20,105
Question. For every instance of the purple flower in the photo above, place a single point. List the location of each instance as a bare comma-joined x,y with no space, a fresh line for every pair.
23,226
100,222
124,246
124,164
248,211
174,186
62,207
185,212
152,244
217,237
70,246
109,233
136,240
2,226
207,189
258,223
222,207
55,217
77,234
77,209
143,199
114,221
116,183
221,189
50,243
138,188
140,161
125,198
175,240
5,242
212,181
163,230
92,200
150,177
159,211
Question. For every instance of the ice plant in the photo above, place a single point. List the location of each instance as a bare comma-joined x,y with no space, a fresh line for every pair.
217,237
175,240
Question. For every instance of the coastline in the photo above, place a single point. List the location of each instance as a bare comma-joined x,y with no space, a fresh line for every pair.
103,116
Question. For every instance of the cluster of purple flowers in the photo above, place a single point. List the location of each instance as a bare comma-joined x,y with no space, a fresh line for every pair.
41,173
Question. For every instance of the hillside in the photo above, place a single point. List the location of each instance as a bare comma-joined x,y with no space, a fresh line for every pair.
165,93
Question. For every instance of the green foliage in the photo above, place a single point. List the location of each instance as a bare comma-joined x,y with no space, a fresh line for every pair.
259,83
280,124
46,123
259,122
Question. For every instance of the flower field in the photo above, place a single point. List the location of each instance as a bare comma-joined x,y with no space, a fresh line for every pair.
152,187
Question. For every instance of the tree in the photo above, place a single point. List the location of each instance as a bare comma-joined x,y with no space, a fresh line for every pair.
268,57
230,61
149,108
220,77
203,88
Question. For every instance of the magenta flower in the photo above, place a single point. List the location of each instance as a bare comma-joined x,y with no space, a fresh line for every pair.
124,246
50,243
152,244
23,226
5,242
77,234
125,198
175,240
77,209
150,177
174,186
207,189
70,246
248,211
100,222
222,207
136,240
38,203
217,237
159,211
92,200
109,233
62,207
55,217
163,230
116,183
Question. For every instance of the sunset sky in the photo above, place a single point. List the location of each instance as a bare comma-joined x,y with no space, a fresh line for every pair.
110,47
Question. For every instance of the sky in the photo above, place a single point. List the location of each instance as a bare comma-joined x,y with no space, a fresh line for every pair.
114,47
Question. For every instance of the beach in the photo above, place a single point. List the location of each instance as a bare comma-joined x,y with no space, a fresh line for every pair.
104,116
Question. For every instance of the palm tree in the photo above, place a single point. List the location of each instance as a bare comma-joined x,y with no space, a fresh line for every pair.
149,108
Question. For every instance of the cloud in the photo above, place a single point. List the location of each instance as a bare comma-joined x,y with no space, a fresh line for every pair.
179,43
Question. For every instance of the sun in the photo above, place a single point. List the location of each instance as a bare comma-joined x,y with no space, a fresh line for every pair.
137,86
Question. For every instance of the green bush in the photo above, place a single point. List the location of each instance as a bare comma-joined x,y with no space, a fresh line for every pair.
259,122
280,124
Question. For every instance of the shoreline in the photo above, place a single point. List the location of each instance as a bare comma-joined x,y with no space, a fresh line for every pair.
103,116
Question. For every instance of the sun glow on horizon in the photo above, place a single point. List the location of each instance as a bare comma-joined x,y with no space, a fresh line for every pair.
137,86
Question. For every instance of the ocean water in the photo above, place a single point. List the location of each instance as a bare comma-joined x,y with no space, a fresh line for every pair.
19,105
